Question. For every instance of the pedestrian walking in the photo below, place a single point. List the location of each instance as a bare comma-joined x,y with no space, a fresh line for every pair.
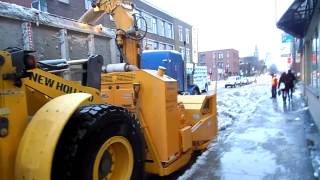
274,83
283,85
291,78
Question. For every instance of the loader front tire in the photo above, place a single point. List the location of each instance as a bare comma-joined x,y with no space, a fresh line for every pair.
100,142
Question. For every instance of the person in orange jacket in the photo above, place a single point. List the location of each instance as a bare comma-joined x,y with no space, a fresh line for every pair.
274,83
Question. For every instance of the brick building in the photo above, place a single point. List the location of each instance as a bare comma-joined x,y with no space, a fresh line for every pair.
220,63
249,65
164,30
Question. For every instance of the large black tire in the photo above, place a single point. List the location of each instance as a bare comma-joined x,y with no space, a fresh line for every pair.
88,129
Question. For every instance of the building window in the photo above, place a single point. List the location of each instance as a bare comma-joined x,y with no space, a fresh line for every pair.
41,5
169,47
144,43
162,46
180,33
151,23
213,55
139,21
151,45
202,58
181,50
161,27
220,65
313,64
187,36
220,55
168,30
228,54
188,55
154,25
148,23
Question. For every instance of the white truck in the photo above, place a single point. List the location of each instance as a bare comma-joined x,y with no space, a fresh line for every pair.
199,76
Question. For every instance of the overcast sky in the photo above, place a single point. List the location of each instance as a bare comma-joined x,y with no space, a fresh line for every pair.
238,24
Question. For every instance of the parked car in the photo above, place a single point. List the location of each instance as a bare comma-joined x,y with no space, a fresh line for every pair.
252,79
245,81
233,81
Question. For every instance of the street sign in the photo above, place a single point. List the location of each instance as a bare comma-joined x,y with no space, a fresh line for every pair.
285,55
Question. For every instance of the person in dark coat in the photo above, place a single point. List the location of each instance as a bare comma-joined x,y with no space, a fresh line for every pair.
284,79
290,80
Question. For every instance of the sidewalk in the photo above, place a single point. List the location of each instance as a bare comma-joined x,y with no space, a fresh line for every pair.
266,139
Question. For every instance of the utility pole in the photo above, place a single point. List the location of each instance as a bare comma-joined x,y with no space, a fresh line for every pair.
185,66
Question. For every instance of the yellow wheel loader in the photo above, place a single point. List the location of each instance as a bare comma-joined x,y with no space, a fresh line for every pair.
51,128
117,122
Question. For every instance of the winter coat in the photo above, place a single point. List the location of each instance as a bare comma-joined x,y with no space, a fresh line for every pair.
284,79
290,80
274,82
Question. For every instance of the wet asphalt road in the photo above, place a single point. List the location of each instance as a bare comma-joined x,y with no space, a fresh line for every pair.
259,138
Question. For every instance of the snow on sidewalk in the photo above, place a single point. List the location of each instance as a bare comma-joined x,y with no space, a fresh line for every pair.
259,138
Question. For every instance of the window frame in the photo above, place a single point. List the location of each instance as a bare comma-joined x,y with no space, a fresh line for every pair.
187,35
169,34
180,32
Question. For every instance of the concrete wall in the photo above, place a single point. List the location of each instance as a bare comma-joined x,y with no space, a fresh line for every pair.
52,37
314,104
10,33
46,42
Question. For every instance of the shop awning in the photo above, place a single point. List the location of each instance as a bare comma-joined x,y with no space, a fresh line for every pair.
296,19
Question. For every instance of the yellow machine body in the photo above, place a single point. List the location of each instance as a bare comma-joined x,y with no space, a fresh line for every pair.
13,107
174,126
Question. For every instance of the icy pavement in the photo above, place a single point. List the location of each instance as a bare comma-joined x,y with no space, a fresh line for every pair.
259,138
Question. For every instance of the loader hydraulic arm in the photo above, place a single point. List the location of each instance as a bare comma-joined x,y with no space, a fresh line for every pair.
127,36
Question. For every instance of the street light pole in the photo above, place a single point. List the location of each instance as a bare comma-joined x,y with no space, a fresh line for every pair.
185,67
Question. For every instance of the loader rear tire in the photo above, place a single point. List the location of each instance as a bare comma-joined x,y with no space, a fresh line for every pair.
100,141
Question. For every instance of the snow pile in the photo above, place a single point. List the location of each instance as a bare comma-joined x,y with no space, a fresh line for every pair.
233,105
236,107
201,160
312,134
239,104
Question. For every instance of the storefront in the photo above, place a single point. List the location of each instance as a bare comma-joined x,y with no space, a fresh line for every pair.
302,20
